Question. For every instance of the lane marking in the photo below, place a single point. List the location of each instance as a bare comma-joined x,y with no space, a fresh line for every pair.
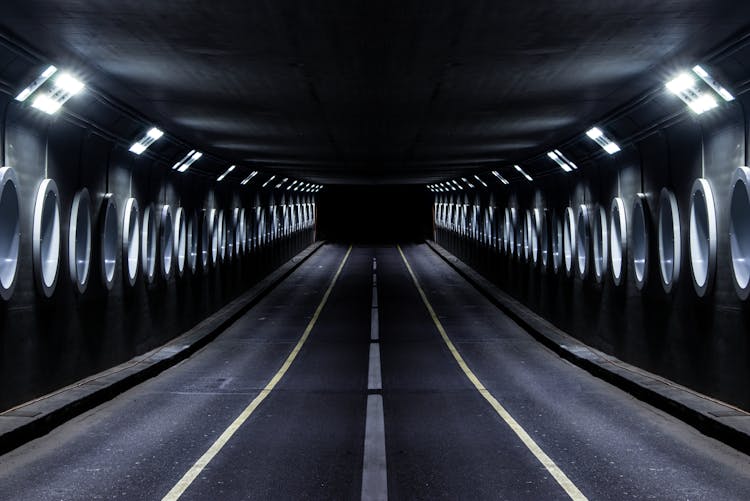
374,470
206,458
374,297
374,381
374,325
529,442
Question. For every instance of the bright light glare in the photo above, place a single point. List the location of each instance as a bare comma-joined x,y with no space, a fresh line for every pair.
602,140
248,178
229,169
147,140
154,133
680,83
594,133
69,84
501,178
519,169
46,104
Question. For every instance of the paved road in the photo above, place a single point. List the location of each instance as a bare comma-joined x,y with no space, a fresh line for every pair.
311,435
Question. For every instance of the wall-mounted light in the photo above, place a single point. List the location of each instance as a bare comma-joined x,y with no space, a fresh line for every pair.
249,177
499,177
561,160
51,93
523,173
713,83
224,174
699,98
480,181
186,161
38,82
602,140
149,138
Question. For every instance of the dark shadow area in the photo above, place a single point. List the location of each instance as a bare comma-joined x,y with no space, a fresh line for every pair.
374,214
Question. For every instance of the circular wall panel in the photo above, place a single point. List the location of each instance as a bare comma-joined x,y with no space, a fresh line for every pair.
702,236
639,245
79,240
108,241
180,240
148,244
544,239
10,231
192,242
166,242
670,241
583,239
739,231
569,239
556,235
618,239
46,237
221,228
536,224
600,243
131,240
213,224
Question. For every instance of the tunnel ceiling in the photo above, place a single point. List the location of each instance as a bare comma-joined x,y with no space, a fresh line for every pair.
360,92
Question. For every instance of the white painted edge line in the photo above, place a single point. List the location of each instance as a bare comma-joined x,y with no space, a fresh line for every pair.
374,325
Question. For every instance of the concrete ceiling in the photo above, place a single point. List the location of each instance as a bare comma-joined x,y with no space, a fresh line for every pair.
374,91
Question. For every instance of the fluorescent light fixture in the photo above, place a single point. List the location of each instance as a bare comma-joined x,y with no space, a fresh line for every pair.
38,82
282,182
519,169
713,83
467,182
478,179
291,185
269,180
562,160
686,88
63,88
602,140
186,161
249,177
457,185
147,140
499,177
229,169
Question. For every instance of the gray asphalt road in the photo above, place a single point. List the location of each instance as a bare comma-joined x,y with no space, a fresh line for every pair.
443,439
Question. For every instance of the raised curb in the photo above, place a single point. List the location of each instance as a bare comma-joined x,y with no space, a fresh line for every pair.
38,417
711,417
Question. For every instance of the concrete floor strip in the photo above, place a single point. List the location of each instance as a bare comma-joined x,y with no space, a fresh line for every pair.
554,470
206,458
374,381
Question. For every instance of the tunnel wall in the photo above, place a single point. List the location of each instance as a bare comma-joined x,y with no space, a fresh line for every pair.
700,342
46,343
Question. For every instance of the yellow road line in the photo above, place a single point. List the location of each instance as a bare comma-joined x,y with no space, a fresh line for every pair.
543,458
206,458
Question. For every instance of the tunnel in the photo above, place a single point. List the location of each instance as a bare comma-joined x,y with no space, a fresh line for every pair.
374,250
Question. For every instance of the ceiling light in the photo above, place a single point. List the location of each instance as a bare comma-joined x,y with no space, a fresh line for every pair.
686,88
713,83
478,179
147,140
291,184
562,160
52,97
229,169
467,182
248,178
519,169
186,161
282,182
457,185
602,140
501,178
38,82
269,180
